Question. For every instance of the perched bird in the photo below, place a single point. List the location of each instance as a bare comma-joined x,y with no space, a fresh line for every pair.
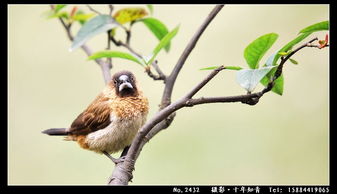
112,120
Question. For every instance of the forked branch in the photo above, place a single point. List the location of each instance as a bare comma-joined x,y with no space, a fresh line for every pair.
150,129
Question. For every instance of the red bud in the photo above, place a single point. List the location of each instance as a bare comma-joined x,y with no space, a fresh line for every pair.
73,11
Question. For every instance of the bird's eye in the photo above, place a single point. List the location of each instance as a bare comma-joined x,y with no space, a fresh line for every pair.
115,81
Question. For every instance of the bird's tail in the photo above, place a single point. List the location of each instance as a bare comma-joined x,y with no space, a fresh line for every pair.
55,131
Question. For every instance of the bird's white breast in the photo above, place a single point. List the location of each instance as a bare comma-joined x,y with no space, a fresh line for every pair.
117,135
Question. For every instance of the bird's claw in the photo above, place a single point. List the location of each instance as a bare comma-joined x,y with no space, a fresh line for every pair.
118,160
114,160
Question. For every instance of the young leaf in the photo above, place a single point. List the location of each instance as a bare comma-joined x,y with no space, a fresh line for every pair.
226,67
51,14
54,13
293,61
272,61
96,25
209,68
116,54
58,7
157,28
126,15
249,78
289,45
164,41
283,53
62,14
81,17
255,50
323,43
150,7
233,68
316,27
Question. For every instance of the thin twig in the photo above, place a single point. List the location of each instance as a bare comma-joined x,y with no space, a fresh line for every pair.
109,59
120,43
203,82
159,71
94,10
166,99
128,36
283,60
153,76
111,8
160,76
105,67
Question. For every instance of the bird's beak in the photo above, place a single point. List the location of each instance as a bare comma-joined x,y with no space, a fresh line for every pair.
125,85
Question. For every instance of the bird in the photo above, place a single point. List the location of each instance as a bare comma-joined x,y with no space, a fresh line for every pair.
112,120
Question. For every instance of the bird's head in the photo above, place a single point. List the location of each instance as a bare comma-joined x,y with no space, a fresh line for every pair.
125,84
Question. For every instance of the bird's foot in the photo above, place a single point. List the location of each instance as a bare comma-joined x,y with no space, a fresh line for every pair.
114,160
118,160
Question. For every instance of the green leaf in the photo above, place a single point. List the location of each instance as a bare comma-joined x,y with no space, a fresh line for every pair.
272,61
278,83
62,14
293,61
278,86
126,15
283,53
209,68
163,42
96,25
58,7
54,13
255,50
116,54
226,67
249,78
316,27
233,68
157,28
289,45
150,7
82,17
51,14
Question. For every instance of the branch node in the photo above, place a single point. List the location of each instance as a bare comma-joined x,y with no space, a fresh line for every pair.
153,76
251,101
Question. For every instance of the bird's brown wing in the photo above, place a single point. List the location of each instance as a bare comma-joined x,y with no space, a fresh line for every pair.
95,117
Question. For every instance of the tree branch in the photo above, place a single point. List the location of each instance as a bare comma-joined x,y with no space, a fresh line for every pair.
123,171
170,80
159,71
160,76
127,46
105,67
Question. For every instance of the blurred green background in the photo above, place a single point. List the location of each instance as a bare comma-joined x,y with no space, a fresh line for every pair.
281,140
